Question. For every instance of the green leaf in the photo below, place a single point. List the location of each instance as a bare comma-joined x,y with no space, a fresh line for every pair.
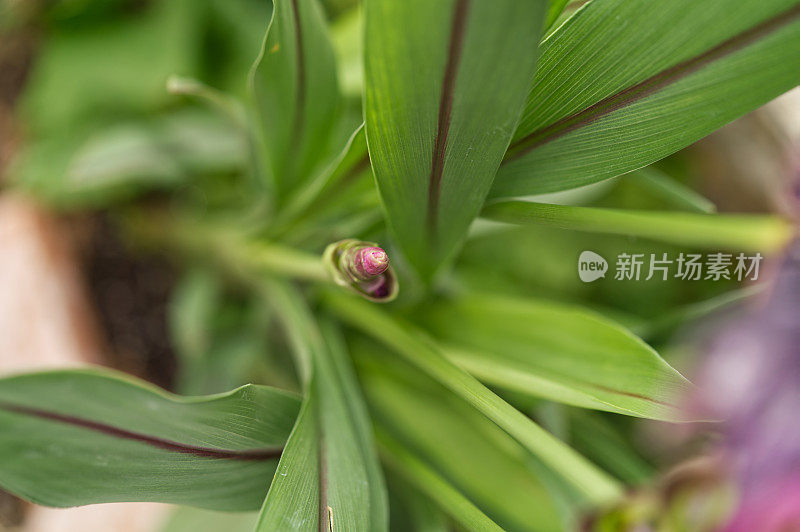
240,25
118,162
351,165
122,156
412,344
195,300
220,340
347,35
434,486
558,352
675,193
624,83
412,510
442,100
696,311
554,10
444,434
87,71
70,438
602,442
295,91
738,232
329,477
293,501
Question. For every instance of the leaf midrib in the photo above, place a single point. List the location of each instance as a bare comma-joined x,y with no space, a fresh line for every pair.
649,86
269,453
455,46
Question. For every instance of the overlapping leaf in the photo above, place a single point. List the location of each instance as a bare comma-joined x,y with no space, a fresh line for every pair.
417,348
449,450
79,437
296,93
328,477
672,193
442,100
562,353
624,83
351,164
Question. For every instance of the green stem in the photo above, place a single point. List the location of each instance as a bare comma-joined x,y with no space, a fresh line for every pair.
595,484
226,105
737,232
280,260
229,249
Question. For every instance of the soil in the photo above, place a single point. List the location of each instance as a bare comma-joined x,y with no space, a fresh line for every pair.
130,294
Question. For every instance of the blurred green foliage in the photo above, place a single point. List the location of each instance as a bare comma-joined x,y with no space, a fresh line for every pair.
100,128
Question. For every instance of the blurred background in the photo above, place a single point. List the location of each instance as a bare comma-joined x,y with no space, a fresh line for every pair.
87,129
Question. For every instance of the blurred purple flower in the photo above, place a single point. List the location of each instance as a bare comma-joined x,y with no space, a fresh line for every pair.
774,507
751,379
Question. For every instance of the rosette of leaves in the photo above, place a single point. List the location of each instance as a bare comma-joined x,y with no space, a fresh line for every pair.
432,406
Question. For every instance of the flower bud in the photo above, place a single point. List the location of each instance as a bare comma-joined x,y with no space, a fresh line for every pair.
365,263
363,268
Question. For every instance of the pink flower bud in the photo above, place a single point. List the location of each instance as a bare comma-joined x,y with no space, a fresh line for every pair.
363,268
370,262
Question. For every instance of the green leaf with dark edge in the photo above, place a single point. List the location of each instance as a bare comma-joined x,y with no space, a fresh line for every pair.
296,93
441,103
441,430
622,84
418,349
559,352
728,231
329,477
78,437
